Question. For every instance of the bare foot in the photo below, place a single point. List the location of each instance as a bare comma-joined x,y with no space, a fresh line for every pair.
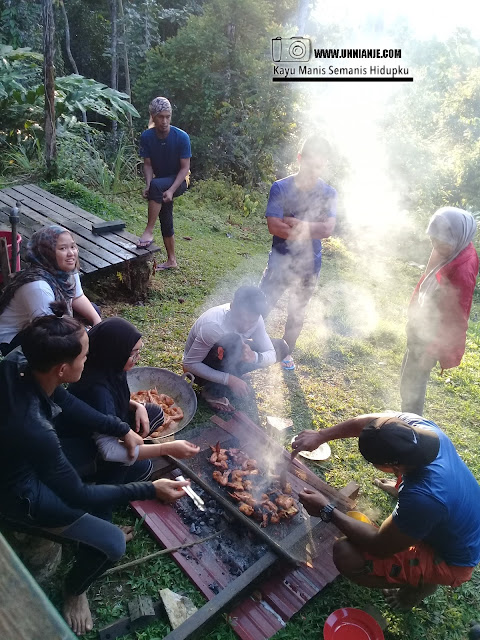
128,531
169,264
387,485
77,613
405,598
219,404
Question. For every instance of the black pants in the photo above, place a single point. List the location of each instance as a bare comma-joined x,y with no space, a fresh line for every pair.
415,374
155,192
232,363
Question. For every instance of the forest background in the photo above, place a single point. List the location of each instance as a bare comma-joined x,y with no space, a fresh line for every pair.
400,152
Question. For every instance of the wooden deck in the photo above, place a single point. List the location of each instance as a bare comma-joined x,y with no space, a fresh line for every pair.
41,208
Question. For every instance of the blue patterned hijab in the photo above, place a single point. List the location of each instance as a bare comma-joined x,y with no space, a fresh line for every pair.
42,265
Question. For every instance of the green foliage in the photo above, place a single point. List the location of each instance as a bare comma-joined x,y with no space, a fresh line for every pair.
432,129
224,193
217,73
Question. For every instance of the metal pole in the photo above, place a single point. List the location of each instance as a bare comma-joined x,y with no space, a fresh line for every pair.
14,220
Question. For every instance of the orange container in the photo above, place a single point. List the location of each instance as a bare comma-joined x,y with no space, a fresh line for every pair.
8,236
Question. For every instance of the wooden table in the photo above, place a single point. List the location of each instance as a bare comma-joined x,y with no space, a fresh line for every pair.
41,208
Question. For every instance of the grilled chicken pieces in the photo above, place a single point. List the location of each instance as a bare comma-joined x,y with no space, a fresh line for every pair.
268,503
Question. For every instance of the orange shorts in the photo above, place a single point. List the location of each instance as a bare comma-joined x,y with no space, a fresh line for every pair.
416,566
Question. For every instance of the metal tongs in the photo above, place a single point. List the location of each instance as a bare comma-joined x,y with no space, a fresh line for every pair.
196,499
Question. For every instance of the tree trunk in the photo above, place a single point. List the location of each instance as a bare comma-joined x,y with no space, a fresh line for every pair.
49,81
302,16
147,25
114,49
72,61
128,88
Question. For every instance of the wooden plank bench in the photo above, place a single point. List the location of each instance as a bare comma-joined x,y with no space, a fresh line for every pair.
96,252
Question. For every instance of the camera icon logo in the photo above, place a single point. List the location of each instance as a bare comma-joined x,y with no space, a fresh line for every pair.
295,49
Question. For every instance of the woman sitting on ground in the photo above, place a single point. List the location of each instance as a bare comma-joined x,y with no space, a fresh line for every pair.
51,275
113,350
38,485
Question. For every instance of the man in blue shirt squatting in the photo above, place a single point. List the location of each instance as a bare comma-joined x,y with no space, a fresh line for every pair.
432,536
301,210
166,152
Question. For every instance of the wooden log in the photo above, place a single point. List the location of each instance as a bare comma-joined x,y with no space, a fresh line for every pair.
39,555
27,614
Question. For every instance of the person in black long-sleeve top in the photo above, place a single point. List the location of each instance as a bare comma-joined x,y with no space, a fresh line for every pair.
38,485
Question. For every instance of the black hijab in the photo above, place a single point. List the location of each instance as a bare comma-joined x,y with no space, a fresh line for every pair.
110,345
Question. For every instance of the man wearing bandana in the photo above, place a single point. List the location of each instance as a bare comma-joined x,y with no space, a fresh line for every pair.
166,152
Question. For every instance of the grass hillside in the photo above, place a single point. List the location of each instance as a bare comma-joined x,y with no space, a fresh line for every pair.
348,361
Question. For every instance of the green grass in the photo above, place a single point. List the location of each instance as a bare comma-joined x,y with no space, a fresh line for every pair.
348,360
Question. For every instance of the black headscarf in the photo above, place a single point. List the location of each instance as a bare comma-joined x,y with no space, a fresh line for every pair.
110,345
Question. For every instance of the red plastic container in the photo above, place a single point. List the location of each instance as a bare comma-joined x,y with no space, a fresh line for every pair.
8,236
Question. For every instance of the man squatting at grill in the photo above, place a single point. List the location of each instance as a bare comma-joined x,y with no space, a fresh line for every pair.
228,341
301,210
431,537
166,153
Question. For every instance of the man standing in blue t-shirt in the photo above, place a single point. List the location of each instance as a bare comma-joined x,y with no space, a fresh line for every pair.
432,536
166,153
301,210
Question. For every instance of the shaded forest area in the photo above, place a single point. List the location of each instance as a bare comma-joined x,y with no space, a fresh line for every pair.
212,59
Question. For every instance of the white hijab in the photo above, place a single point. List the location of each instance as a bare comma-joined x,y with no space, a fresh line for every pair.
451,226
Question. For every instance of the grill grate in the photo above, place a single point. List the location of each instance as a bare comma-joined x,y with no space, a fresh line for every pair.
296,540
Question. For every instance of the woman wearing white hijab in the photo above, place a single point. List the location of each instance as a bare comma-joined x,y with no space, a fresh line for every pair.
440,306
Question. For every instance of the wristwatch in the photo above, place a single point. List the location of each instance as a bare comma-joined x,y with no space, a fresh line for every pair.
326,512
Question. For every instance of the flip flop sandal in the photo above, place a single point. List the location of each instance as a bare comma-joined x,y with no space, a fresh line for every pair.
144,245
288,364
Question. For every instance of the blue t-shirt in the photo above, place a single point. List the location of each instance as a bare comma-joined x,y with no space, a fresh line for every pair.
165,153
440,504
315,205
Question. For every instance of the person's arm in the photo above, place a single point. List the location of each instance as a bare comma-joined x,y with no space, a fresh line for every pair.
99,416
263,345
319,229
111,450
148,174
381,542
35,298
309,439
79,412
45,454
181,175
142,423
193,360
84,308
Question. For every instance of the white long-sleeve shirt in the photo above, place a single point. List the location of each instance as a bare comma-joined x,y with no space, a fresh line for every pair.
208,329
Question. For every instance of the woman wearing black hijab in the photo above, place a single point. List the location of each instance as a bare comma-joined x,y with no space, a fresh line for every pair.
114,348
